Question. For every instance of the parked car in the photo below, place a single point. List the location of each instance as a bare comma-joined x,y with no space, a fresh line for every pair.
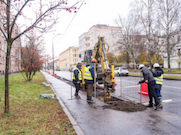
121,71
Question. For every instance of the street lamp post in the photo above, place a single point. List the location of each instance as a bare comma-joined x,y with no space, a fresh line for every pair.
53,58
53,52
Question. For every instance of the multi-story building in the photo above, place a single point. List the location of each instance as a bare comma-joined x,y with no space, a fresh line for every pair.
15,59
111,36
68,58
175,57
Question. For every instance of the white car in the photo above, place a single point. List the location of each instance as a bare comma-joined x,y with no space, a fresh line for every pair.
121,71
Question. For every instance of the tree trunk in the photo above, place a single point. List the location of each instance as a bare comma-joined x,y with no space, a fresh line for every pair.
168,59
7,77
127,59
149,59
168,51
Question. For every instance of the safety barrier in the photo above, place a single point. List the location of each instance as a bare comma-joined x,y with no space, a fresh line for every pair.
127,88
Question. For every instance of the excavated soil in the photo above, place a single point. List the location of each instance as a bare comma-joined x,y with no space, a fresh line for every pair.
126,106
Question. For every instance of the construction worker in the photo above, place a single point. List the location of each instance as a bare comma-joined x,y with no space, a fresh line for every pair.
158,76
89,77
149,79
77,78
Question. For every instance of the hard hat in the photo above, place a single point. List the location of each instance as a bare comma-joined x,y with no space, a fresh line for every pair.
141,66
94,60
156,65
79,65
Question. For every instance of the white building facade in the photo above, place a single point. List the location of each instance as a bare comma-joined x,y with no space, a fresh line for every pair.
111,36
175,58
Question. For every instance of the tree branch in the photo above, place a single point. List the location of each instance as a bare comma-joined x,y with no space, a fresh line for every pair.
2,1
3,33
39,19
18,13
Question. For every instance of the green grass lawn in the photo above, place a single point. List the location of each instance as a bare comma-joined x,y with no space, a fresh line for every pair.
174,71
165,76
30,114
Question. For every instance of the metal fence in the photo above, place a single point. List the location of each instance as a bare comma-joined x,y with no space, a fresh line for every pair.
127,88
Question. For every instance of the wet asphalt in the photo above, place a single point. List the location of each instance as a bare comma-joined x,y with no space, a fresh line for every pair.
94,120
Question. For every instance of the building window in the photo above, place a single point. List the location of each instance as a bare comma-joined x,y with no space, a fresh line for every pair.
88,45
179,52
178,38
74,60
87,38
1,60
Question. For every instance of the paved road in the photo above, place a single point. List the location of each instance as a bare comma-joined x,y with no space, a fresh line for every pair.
99,121
171,92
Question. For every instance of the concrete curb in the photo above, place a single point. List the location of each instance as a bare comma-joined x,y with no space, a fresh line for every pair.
76,127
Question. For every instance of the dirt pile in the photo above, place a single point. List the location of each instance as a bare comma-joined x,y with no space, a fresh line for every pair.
126,106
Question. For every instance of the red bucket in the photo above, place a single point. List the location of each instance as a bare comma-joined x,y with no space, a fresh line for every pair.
144,89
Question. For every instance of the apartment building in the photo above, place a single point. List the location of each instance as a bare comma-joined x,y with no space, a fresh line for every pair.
15,59
111,35
68,58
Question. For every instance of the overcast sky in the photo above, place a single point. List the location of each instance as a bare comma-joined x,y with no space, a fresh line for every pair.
91,13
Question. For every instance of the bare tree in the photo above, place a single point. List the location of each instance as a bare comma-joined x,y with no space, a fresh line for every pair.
35,14
147,15
130,36
169,11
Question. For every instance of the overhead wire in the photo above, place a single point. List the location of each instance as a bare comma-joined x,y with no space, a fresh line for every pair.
73,17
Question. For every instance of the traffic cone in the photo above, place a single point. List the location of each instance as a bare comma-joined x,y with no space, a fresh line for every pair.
144,89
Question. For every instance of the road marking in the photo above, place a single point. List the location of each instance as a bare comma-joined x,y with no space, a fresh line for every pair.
131,81
172,87
132,86
167,100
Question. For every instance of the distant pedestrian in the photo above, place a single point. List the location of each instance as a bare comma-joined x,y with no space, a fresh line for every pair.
158,76
77,79
148,78
89,77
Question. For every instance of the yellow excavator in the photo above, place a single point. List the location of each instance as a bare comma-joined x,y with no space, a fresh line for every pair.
105,74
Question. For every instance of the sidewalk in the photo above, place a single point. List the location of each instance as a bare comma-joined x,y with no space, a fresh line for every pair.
94,120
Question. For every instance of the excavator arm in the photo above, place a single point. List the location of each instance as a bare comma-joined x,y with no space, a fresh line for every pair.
99,53
105,74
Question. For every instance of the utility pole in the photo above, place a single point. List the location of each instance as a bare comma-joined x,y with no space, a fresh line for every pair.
53,58
53,52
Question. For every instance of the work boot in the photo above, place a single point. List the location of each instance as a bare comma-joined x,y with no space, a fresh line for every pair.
150,105
160,102
157,107
77,95
89,100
